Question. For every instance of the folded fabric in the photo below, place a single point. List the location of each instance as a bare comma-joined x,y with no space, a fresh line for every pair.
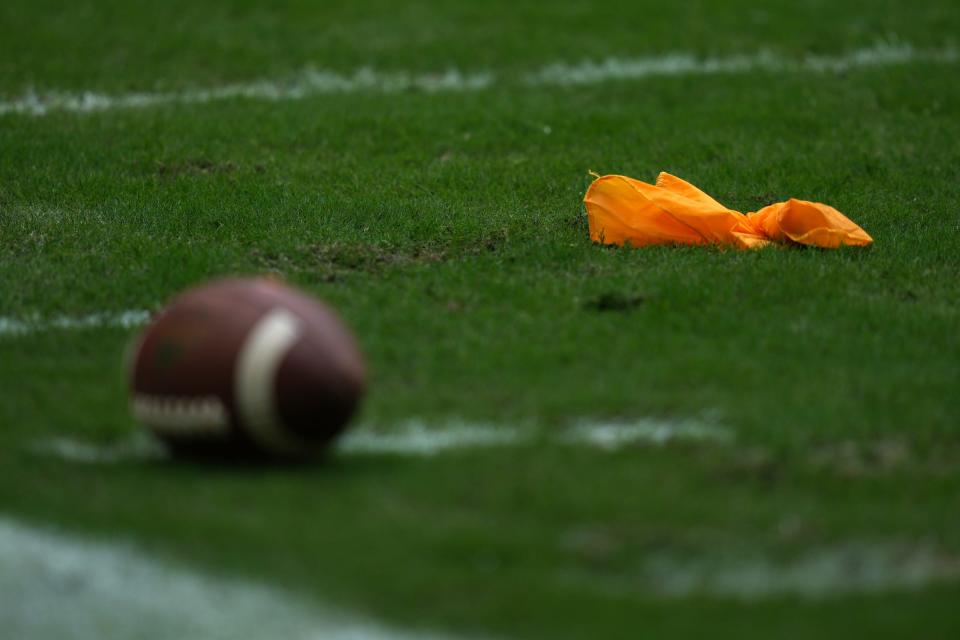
622,210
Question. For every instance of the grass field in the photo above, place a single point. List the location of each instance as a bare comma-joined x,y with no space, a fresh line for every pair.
447,228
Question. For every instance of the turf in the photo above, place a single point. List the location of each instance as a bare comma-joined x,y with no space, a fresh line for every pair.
448,230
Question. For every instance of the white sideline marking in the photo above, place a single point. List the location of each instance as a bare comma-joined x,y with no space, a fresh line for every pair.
10,326
312,82
59,587
856,567
418,438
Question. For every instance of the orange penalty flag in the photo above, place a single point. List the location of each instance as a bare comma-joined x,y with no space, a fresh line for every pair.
622,210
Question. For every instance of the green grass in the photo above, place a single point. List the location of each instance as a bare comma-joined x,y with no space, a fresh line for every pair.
448,230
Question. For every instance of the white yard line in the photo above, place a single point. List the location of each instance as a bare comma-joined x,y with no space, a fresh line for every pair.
59,587
311,82
611,436
306,83
421,438
684,64
418,438
820,572
12,326
139,447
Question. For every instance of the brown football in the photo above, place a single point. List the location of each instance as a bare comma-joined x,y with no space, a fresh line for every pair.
246,367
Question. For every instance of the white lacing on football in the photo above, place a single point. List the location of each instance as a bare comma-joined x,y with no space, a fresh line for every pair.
181,415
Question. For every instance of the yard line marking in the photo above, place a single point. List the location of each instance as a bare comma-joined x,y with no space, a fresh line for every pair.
852,567
418,438
139,447
60,587
309,82
682,64
615,435
11,326
312,82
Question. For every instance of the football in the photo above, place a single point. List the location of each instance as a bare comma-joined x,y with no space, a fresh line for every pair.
247,368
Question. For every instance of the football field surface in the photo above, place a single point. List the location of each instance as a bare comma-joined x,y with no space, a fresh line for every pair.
561,440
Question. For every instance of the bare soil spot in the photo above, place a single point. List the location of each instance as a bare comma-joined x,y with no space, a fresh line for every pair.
614,301
335,261
197,167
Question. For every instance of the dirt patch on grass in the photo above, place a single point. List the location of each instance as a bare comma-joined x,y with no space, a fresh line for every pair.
199,167
852,459
337,261
847,459
372,257
334,261
753,464
614,301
